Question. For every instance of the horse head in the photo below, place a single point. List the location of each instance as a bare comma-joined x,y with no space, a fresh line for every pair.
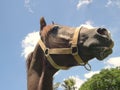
92,42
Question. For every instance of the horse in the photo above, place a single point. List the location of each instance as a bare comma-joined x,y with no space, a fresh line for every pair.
62,47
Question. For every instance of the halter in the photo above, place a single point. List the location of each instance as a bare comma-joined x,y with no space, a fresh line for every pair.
73,50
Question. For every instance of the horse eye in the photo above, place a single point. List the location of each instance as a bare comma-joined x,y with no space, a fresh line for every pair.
55,28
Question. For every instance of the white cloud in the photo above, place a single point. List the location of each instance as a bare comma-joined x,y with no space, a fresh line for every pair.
89,22
113,62
90,74
113,3
29,43
28,6
83,2
108,3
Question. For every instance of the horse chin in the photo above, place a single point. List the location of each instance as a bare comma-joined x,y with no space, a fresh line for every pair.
102,52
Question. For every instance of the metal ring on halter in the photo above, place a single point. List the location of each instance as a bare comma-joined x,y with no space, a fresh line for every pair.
87,66
74,50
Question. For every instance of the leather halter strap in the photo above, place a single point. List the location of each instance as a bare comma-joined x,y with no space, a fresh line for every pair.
73,50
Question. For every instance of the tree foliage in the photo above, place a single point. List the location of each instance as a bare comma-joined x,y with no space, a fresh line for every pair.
107,79
56,85
69,84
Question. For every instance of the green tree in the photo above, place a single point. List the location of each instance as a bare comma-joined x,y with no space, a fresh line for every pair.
56,85
107,79
69,84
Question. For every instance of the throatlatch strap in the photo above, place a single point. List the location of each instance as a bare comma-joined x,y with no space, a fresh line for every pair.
54,64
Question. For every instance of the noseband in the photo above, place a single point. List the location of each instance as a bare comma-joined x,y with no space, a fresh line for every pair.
73,50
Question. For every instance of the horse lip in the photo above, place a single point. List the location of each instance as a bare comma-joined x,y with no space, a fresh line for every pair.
103,54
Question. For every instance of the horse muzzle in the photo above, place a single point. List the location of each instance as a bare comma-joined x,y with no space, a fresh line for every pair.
104,52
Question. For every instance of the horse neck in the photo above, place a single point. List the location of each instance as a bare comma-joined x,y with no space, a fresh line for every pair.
46,79
40,76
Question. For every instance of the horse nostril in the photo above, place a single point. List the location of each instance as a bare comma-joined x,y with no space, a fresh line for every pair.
102,31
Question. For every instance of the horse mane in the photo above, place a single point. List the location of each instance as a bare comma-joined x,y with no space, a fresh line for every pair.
28,61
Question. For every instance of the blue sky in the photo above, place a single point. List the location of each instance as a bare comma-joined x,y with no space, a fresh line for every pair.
19,19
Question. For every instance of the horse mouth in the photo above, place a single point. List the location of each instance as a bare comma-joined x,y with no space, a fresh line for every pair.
102,52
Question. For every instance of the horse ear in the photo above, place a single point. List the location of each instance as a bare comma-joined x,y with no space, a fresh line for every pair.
42,23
